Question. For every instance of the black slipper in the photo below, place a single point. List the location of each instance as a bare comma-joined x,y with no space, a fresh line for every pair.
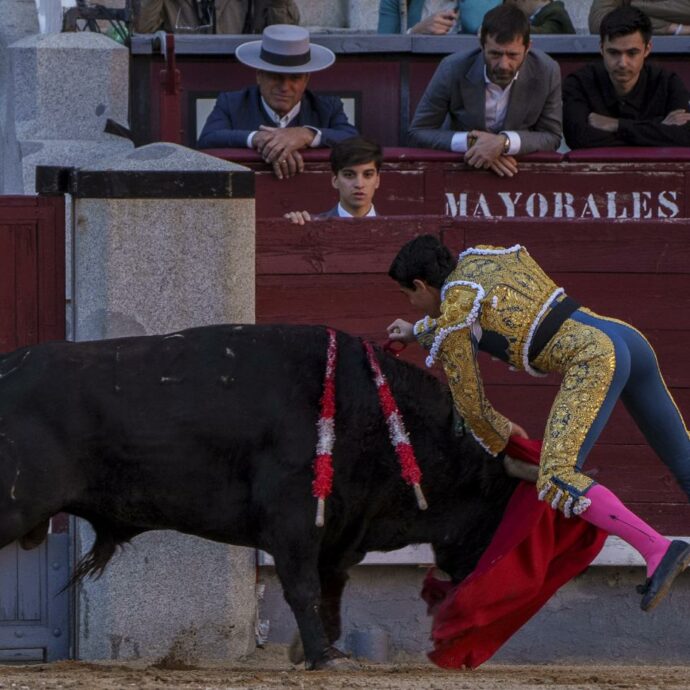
672,564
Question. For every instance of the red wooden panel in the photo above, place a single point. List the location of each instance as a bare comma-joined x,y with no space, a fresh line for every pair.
563,191
530,405
647,301
378,102
401,192
26,282
585,245
32,270
51,269
636,471
8,339
334,246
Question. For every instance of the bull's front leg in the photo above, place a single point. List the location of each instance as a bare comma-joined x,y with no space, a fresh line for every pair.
301,588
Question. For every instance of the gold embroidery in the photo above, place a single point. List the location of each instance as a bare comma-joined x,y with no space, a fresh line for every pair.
586,357
516,289
490,428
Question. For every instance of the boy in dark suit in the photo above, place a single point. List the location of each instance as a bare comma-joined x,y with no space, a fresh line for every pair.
356,165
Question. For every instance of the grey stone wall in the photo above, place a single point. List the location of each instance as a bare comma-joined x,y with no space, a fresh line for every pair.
18,19
595,618
61,90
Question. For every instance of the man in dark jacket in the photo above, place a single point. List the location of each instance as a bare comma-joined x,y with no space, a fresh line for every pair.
278,117
623,100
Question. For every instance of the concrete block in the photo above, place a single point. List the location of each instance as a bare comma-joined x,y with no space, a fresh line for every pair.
18,19
153,265
65,86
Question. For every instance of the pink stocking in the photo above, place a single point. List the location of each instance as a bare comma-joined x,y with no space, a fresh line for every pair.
609,514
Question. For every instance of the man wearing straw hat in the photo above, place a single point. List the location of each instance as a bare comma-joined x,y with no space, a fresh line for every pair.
278,116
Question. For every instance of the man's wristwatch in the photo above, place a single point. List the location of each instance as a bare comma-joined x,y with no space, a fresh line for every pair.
506,145
471,140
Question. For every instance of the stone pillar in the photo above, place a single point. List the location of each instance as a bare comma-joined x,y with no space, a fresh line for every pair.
62,89
164,240
18,19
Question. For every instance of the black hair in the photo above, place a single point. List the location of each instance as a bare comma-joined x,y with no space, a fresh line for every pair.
423,258
505,23
355,151
624,21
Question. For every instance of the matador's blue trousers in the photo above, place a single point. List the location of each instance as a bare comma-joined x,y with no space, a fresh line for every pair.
602,360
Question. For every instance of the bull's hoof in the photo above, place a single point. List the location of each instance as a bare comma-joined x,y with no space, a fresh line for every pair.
334,660
344,664
296,650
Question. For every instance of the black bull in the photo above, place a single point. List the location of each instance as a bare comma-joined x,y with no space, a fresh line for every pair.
212,432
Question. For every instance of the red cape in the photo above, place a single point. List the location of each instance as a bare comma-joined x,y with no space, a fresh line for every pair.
535,550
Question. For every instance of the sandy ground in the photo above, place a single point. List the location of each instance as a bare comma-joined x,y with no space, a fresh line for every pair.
269,670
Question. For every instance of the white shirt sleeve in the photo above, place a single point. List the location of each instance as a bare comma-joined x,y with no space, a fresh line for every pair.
459,142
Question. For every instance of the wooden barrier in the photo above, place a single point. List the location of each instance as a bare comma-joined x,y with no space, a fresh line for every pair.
32,270
381,77
613,184
334,272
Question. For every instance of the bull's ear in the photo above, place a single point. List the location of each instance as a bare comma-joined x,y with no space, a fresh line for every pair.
459,428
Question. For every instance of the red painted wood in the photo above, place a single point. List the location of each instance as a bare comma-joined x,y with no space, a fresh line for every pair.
335,246
51,269
385,83
26,283
32,270
334,272
8,335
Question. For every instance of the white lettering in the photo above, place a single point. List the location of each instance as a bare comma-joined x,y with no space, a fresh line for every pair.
482,205
668,204
563,205
641,204
543,205
615,205
591,206
451,205
509,202
611,206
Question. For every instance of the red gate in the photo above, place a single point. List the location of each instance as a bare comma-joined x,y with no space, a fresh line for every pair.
34,611
32,270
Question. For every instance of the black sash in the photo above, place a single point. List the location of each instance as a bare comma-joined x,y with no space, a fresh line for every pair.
550,325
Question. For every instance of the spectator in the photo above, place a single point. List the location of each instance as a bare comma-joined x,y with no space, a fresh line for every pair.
667,16
356,166
213,16
623,100
418,17
437,17
278,117
545,16
500,100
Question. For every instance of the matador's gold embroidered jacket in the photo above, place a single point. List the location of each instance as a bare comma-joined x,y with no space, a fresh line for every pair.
493,300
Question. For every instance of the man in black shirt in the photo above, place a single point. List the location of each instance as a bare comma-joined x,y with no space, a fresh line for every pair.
623,101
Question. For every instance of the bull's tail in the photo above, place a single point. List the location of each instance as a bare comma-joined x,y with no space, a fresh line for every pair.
109,537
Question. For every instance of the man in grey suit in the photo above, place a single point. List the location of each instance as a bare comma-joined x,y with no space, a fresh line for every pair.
500,100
